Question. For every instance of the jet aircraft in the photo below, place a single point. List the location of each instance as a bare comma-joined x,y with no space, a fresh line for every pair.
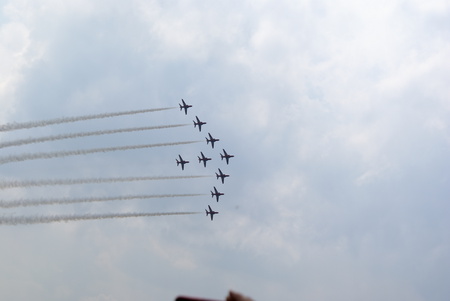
216,193
221,175
182,162
211,139
203,158
184,106
199,123
211,212
226,156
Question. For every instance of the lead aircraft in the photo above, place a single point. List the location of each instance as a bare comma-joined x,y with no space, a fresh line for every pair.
211,212
199,123
184,106
182,162
211,139
226,156
216,193
221,175
203,158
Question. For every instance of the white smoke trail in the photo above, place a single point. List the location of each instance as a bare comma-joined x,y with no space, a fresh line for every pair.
55,182
84,134
29,220
51,155
41,123
66,201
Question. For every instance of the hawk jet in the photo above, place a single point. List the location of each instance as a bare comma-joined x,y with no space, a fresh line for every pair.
226,156
199,123
203,158
221,175
216,193
211,212
184,106
182,162
211,139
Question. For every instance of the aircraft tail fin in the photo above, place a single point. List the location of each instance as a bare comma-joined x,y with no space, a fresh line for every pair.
206,212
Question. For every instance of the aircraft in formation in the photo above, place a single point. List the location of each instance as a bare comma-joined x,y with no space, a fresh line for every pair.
221,175
184,106
199,123
211,139
211,212
181,161
226,156
216,193
203,158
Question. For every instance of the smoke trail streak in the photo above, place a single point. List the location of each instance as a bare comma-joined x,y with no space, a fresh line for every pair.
22,184
41,123
29,220
84,134
66,201
51,155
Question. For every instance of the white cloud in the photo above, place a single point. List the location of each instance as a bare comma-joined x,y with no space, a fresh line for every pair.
435,7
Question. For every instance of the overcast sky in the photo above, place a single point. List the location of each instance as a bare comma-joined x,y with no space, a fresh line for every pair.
337,113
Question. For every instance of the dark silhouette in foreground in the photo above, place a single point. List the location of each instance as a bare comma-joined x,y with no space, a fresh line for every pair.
232,296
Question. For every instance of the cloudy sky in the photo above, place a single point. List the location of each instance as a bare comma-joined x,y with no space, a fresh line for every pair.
337,111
